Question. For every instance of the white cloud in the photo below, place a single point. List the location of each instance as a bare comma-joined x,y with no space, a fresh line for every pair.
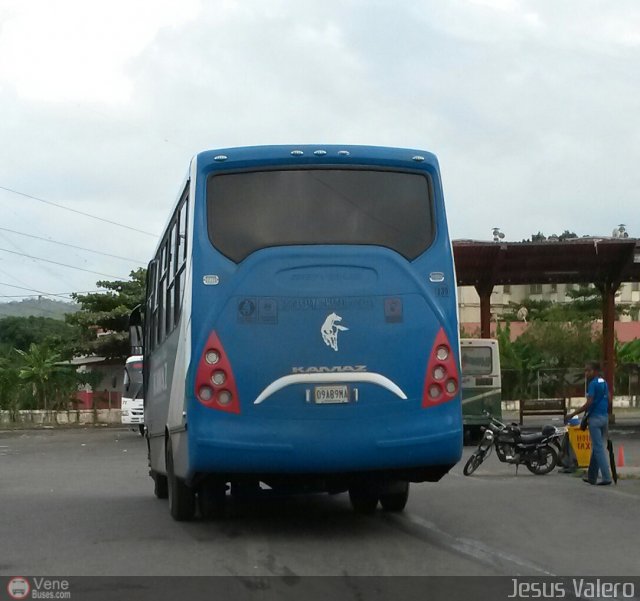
532,107
78,50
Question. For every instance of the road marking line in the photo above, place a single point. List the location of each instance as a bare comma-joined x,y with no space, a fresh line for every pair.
472,548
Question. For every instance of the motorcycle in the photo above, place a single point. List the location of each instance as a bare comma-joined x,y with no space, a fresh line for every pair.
538,452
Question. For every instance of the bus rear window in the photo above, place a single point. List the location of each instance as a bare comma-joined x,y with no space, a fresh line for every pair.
476,360
253,210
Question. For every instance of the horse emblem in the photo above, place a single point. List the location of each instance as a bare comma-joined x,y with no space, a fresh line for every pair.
330,329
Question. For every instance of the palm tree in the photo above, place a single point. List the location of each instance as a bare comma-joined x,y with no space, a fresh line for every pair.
39,368
9,385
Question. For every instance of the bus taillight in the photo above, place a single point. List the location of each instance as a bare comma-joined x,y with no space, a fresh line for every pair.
441,380
215,385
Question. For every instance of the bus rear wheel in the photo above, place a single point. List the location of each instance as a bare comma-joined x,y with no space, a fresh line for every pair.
396,497
182,499
160,485
212,501
364,498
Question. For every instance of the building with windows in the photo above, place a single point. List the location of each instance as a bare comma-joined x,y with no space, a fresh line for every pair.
628,296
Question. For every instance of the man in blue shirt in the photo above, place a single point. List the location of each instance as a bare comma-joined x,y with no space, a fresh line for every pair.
597,409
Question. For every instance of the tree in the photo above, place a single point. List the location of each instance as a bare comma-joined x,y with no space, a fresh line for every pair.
518,363
544,356
584,305
40,368
108,314
628,352
9,384
540,237
536,310
21,332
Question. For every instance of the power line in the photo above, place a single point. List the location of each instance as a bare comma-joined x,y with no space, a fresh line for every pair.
97,252
59,206
41,293
109,275
13,277
21,250
63,296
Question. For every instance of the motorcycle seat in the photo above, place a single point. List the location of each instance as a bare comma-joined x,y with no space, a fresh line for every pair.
531,438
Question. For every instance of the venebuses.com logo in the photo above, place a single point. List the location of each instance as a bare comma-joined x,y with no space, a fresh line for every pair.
18,587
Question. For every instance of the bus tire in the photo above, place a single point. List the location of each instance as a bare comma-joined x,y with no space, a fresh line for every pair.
160,485
182,499
212,502
397,500
364,498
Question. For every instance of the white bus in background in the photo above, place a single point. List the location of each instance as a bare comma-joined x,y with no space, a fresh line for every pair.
132,407
481,382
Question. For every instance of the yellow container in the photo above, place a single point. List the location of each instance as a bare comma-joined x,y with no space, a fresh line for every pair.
581,445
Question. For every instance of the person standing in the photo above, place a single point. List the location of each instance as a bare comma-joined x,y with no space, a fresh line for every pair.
597,410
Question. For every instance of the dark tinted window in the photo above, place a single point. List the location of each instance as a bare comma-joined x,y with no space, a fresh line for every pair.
134,372
476,360
250,211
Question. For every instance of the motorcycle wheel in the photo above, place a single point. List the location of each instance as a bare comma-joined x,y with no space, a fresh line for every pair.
546,463
473,463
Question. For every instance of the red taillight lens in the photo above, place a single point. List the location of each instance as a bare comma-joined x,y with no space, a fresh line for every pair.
441,380
215,385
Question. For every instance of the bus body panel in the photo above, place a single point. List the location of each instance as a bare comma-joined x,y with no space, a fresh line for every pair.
286,339
268,311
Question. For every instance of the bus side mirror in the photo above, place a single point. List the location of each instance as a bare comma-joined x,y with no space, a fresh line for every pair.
135,331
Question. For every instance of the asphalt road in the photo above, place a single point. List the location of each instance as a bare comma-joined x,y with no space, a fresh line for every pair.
79,502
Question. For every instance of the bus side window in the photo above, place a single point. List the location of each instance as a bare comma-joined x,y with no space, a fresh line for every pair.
171,252
181,257
182,233
151,305
162,293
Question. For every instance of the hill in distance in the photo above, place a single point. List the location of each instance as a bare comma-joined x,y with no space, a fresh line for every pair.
37,307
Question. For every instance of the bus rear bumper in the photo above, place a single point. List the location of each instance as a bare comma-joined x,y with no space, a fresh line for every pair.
323,447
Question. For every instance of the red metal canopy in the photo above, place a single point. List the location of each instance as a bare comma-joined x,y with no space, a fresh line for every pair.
604,262
578,260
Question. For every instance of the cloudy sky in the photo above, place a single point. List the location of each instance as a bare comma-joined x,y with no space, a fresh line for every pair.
532,107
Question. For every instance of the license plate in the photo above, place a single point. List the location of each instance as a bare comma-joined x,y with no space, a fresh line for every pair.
331,394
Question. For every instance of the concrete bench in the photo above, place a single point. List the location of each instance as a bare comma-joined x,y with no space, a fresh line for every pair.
543,407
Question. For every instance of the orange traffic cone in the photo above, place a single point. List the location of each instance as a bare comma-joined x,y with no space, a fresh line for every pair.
620,461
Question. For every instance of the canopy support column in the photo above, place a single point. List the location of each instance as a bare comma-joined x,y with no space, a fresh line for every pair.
609,290
484,292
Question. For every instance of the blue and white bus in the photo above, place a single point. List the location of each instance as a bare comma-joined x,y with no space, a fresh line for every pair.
301,329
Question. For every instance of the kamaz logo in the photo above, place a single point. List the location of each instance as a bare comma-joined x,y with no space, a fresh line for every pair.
329,370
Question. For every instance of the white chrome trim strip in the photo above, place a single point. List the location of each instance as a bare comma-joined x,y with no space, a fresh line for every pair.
364,377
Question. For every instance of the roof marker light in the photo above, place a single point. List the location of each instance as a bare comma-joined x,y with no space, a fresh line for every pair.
210,280
296,153
220,157
344,153
418,158
319,153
